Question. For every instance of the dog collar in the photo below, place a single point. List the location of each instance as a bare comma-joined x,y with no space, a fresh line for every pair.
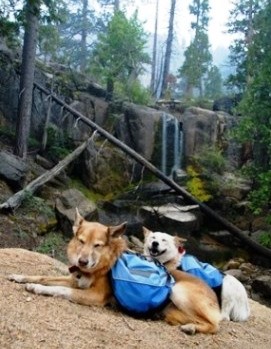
181,250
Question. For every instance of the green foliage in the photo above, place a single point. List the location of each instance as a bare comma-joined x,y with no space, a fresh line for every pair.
260,196
255,124
37,205
119,52
213,83
54,245
58,144
197,54
241,22
134,91
265,239
196,186
211,160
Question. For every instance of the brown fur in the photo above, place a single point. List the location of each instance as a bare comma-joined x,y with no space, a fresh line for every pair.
93,251
92,241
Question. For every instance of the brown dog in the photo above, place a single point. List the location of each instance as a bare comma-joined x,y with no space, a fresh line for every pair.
93,251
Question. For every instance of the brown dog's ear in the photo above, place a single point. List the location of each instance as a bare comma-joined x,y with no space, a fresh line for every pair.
179,241
117,230
145,231
78,221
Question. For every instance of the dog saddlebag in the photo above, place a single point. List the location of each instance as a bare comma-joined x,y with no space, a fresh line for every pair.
205,271
140,285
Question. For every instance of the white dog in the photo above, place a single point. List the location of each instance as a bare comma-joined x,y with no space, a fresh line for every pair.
169,250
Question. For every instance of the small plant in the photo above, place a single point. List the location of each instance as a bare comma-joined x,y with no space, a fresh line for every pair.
54,245
211,160
196,185
58,144
37,205
265,239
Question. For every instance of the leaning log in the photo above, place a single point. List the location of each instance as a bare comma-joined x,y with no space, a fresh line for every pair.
15,200
172,184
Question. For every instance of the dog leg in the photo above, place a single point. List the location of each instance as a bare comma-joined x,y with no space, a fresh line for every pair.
43,280
84,297
235,304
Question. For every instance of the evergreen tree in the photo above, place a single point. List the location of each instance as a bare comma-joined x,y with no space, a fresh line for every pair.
120,51
197,55
255,124
168,52
241,22
213,83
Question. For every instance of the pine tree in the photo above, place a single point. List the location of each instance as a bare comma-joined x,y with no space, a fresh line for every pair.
120,51
168,52
213,83
241,22
197,55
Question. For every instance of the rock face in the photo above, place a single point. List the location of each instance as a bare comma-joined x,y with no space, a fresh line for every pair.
12,169
137,128
155,135
65,209
203,128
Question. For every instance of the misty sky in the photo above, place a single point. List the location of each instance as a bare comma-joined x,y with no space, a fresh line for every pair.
219,15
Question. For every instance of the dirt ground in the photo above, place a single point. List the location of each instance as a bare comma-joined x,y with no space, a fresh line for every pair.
32,321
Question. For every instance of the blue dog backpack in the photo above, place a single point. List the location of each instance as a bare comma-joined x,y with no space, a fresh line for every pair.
140,285
205,271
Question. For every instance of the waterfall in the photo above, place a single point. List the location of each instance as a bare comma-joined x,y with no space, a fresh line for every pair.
172,144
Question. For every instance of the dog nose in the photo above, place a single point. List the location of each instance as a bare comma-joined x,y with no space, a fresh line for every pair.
83,262
155,244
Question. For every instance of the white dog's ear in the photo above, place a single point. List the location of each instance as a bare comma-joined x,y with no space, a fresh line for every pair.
78,221
146,232
117,230
179,241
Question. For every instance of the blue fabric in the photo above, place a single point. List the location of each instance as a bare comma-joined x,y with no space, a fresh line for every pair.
205,271
140,285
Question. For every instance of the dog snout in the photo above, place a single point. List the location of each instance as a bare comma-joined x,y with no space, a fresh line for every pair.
155,244
83,262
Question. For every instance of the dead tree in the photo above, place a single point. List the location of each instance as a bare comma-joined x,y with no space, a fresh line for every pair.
15,200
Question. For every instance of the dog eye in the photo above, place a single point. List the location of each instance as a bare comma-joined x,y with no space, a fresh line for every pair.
81,241
97,245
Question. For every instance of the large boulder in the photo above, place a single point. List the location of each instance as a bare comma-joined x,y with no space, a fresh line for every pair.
65,209
177,218
205,128
137,128
13,169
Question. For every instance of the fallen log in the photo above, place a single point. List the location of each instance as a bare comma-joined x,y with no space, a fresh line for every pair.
204,208
15,200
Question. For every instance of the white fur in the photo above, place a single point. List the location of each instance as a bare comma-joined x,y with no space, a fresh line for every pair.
57,291
234,298
166,242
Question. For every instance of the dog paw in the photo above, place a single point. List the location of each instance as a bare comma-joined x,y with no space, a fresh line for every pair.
189,329
17,278
35,288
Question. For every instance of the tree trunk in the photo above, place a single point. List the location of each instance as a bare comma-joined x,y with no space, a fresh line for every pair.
168,48
154,53
116,6
15,200
27,78
83,57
